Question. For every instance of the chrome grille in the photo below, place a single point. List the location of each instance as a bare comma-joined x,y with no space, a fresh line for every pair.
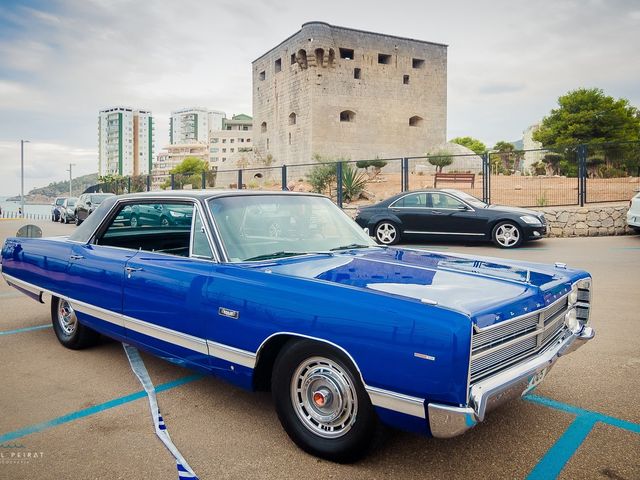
502,345
495,335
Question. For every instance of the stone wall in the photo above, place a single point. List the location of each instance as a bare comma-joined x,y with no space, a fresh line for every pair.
587,221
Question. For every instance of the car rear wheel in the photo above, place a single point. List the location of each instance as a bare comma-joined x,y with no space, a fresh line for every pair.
321,402
387,233
70,333
507,235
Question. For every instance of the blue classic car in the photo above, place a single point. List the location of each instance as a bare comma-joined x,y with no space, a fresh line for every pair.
346,334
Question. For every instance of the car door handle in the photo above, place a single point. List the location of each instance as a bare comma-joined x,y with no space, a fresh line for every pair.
132,269
436,212
76,257
395,210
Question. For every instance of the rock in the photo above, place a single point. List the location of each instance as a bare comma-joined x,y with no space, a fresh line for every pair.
563,217
581,232
592,216
518,187
603,231
607,222
582,226
594,223
580,217
593,232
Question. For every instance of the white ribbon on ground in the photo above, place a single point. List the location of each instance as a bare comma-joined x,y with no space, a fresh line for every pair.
137,365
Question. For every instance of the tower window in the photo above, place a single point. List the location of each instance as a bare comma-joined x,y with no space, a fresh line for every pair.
405,79
263,127
416,121
293,59
320,57
356,73
262,75
417,63
347,116
278,65
346,53
292,118
384,59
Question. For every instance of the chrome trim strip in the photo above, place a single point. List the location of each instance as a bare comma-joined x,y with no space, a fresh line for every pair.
101,313
232,354
167,335
442,233
519,317
397,402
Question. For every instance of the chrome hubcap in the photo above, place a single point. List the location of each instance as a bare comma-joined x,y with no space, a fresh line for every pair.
386,233
134,222
507,235
324,397
67,317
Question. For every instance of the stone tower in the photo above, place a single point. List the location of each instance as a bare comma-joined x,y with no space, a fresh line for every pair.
348,93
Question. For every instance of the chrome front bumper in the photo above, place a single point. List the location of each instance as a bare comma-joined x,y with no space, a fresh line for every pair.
446,421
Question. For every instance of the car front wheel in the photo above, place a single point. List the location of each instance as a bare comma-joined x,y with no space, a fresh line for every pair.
70,333
387,233
507,235
321,402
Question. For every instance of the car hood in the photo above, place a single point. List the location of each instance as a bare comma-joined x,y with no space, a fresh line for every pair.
487,290
516,210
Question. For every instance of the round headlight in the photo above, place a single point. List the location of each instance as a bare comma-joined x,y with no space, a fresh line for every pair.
571,321
573,295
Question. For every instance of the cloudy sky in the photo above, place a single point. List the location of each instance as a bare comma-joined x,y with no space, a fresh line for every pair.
62,61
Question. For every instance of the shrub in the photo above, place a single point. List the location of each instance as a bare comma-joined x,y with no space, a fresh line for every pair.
440,160
353,182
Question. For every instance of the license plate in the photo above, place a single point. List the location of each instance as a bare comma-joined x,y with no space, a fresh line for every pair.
535,380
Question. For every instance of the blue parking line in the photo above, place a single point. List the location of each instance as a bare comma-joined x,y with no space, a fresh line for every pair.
599,417
552,463
70,417
559,454
26,329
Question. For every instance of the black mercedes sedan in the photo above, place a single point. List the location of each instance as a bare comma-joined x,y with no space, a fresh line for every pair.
448,214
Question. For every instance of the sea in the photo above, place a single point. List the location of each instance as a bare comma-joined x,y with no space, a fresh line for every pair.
9,208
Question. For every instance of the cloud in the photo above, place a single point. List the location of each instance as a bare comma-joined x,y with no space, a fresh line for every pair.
61,62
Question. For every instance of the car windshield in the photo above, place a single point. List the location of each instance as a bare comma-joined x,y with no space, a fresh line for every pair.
470,199
262,227
97,199
72,202
59,201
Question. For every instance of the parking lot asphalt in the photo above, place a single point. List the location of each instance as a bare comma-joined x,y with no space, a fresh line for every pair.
82,414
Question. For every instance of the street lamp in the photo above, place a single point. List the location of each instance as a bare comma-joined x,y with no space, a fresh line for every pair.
22,142
71,165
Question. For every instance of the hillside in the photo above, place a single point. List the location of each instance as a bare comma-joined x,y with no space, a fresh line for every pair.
59,189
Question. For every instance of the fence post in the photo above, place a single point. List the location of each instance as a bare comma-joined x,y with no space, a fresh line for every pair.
404,169
204,179
148,183
339,184
284,177
240,179
582,174
128,184
485,179
173,180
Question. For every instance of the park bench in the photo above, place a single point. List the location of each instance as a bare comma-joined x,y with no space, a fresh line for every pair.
455,178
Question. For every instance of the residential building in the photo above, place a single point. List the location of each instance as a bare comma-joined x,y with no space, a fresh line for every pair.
172,156
232,147
125,141
341,92
192,125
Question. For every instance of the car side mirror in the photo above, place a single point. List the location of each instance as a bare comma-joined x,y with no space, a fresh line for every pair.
88,204
463,208
366,230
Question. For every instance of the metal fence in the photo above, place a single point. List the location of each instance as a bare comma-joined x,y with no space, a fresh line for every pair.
572,175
